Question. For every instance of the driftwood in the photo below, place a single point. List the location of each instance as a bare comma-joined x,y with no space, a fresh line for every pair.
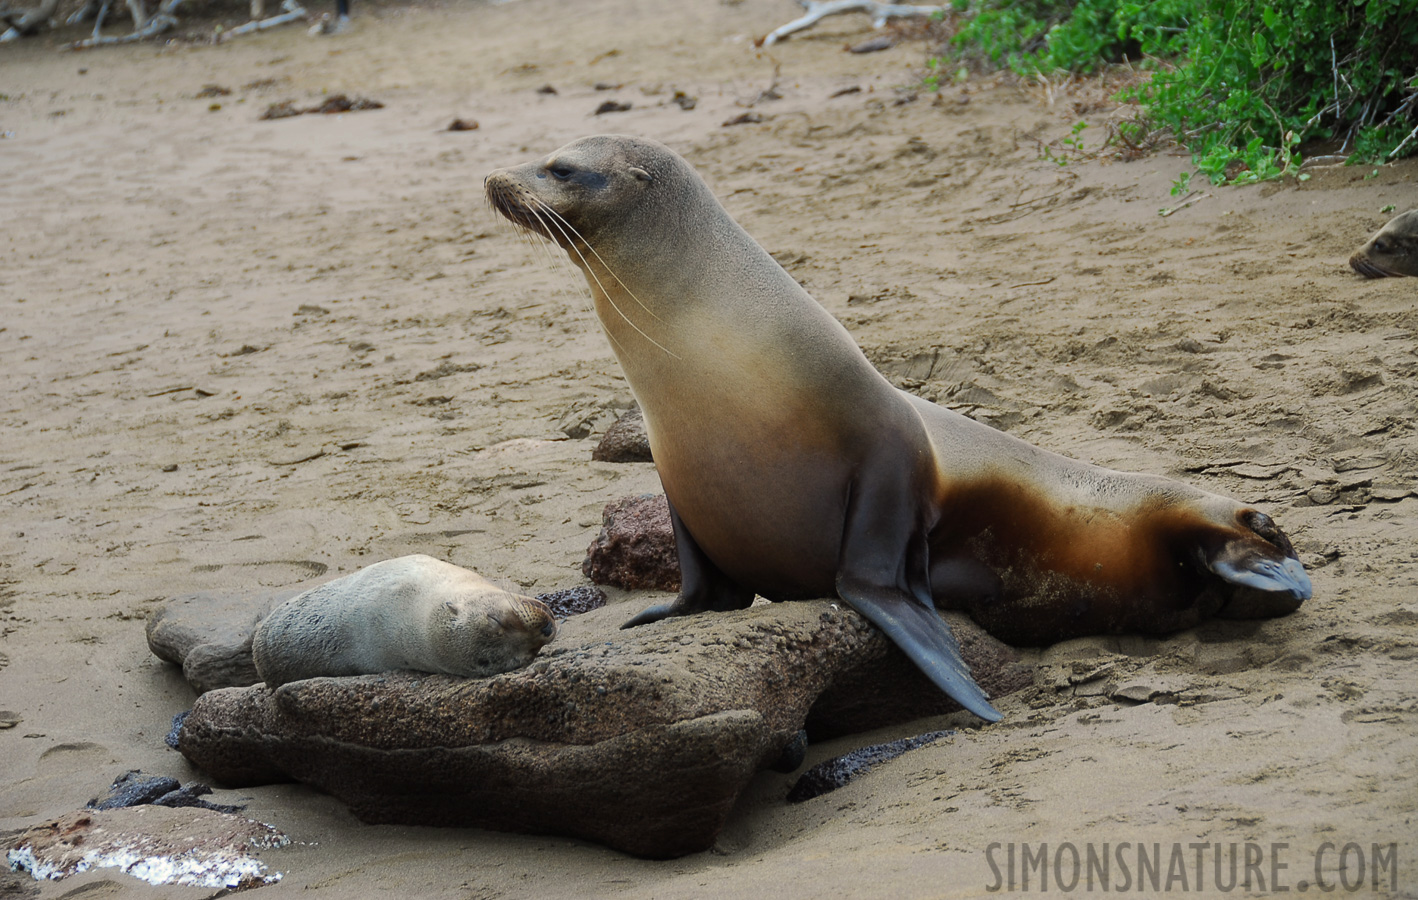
22,22
28,21
293,12
819,9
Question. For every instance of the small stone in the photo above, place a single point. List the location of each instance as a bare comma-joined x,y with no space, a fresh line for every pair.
625,441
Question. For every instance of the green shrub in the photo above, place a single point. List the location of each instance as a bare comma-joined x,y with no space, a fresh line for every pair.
1243,84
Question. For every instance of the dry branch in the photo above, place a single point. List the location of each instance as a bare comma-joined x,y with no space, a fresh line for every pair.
818,9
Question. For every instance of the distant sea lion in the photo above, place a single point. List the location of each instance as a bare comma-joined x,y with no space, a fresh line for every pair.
1392,251
413,612
794,469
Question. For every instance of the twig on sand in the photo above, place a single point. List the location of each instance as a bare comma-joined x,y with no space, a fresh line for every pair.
819,9
1191,198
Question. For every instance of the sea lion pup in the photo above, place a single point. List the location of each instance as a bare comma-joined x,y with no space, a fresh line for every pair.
1392,251
414,612
793,469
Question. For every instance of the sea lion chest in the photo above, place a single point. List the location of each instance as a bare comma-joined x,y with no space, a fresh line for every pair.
757,443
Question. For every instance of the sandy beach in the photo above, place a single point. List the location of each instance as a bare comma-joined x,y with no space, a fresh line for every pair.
246,355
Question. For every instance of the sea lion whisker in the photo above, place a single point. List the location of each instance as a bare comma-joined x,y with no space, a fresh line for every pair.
513,203
559,262
599,258
591,272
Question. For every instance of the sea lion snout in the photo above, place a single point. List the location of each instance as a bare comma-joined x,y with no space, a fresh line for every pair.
536,617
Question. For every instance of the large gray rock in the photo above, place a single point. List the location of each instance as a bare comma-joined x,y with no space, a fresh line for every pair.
209,635
639,739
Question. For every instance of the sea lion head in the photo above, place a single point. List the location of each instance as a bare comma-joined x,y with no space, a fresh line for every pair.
484,633
1263,577
1392,251
574,195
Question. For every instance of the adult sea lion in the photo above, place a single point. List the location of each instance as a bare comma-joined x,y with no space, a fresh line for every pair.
1393,250
793,469
413,612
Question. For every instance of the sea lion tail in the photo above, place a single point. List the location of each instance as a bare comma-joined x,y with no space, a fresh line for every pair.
924,637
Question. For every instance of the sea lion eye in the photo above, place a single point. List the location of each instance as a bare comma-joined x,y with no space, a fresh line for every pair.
1380,246
561,171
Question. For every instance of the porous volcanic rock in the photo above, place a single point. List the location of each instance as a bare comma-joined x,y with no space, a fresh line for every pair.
636,547
640,739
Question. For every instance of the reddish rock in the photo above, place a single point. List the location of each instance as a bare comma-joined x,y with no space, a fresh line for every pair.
636,547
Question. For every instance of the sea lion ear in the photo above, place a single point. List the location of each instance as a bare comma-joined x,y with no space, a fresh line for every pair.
641,175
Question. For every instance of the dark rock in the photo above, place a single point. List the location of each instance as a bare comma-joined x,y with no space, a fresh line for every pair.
636,546
282,110
573,601
191,795
463,125
640,739
134,789
209,636
834,773
339,103
625,441
748,118
611,106
171,737
793,754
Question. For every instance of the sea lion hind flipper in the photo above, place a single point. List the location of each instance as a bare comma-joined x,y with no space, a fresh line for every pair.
923,636
703,586
1280,576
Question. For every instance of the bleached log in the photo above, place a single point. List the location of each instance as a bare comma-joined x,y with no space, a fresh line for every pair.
880,14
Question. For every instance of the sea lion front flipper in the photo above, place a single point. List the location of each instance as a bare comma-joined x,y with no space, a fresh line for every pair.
923,636
884,574
703,586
